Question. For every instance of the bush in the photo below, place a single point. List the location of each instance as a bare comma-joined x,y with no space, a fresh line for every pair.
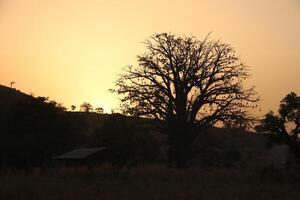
128,142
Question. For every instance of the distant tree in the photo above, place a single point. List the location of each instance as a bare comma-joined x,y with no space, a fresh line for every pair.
73,107
99,110
61,106
239,124
12,83
86,107
53,103
187,84
289,113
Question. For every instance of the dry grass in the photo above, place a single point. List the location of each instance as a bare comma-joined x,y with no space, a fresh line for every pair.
145,182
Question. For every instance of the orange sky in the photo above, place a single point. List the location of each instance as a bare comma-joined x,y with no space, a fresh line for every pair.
72,50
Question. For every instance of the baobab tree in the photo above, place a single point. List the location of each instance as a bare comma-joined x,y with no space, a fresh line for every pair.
188,85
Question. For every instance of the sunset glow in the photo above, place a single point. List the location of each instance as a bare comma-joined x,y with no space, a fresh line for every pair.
73,50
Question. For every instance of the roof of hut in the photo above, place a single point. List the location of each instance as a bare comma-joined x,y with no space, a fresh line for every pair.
79,153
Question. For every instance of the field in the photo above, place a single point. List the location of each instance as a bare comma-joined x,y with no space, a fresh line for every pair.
147,182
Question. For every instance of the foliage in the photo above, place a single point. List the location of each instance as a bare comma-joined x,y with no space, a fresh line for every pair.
73,107
86,107
99,110
188,84
289,113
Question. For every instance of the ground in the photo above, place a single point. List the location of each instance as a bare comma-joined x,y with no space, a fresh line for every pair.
147,182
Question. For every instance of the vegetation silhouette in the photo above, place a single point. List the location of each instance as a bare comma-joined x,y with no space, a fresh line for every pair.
86,107
288,116
99,110
181,88
35,129
12,83
188,85
73,107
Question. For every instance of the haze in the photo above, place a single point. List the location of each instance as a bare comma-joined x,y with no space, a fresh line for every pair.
73,50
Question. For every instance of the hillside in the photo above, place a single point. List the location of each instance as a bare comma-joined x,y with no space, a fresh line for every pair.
10,96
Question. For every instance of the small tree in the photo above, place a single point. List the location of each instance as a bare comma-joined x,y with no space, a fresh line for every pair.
12,83
289,113
188,85
73,107
86,107
99,110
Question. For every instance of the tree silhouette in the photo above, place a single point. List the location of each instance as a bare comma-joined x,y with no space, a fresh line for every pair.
289,113
12,83
86,107
73,107
99,110
187,84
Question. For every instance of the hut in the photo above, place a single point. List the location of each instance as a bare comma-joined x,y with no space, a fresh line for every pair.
82,156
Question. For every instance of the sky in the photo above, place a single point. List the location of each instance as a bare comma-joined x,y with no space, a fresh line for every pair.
73,50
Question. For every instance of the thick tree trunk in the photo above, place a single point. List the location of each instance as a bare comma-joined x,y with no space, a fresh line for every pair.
182,157
178,155
179,146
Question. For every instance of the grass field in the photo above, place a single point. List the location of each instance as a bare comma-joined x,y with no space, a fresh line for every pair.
147,182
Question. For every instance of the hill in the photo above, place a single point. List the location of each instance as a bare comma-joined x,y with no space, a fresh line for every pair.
11,96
